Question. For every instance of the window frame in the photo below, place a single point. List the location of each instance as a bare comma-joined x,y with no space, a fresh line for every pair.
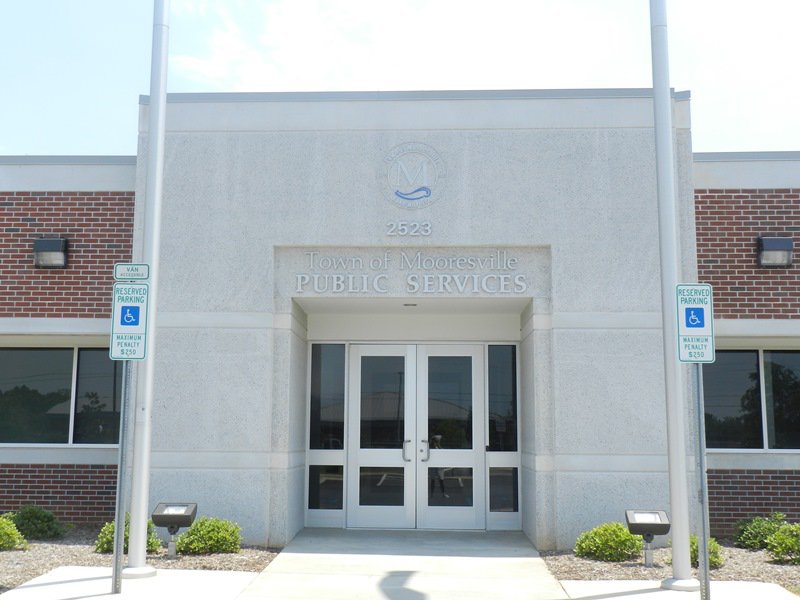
75,348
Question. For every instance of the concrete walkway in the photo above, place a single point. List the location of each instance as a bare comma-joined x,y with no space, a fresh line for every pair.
323,564
406,565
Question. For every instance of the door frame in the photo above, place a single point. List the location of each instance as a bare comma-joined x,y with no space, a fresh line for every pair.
356,515
452,517
336,518
418,454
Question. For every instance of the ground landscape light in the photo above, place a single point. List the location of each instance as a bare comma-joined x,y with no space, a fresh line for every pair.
775,251
173,516
648,524
50,253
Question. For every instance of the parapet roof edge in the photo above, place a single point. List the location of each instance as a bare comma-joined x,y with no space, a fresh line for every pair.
599,93
745,156
67,160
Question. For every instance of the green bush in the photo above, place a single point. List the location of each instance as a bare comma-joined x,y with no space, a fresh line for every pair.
610,542
210,535
36,523
753,533
715,560
10,537
784,544
105,539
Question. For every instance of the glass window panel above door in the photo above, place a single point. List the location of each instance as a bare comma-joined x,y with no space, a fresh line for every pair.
327,397
382,401
503,398
450,402
732,398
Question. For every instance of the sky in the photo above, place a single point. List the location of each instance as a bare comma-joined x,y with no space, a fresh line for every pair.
73,70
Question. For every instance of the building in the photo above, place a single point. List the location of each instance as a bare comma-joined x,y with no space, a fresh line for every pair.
432,310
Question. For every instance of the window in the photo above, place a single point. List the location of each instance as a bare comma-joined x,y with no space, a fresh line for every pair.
59,396
782,387
503,398
752,400
327,397
733,401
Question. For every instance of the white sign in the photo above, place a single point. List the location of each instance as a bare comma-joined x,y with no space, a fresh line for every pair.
695,323
131,272
129,321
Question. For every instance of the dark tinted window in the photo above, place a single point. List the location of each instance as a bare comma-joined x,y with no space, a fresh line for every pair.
97,399
327,397
733,401
35,395
782,385
503,398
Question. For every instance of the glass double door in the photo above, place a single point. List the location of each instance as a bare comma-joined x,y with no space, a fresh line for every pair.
416,449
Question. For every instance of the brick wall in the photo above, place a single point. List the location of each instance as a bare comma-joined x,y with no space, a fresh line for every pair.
735,494
99,230
729,222
74,493
728,225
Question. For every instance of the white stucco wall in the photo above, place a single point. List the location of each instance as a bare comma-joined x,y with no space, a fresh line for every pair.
563,181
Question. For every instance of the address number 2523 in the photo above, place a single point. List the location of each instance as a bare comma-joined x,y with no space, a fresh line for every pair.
409,228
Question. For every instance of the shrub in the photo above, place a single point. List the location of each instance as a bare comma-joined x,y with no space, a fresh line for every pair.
753,533
610,542
784,544
36,523
10,537
715,560
210,535
105,539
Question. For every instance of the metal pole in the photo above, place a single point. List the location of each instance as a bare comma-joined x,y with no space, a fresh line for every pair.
668,244
122,460
702,541
155,174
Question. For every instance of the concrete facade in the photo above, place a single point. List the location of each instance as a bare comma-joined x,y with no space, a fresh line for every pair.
268,196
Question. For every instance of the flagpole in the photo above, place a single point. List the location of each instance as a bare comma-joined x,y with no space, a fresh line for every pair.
137,567
670,268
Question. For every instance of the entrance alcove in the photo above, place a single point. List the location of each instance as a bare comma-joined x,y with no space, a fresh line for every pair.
457,377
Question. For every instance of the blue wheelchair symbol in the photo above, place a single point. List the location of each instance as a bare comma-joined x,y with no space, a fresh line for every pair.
695,317
129,316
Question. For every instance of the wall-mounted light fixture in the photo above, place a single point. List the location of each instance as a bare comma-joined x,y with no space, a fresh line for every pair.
50,253
775,251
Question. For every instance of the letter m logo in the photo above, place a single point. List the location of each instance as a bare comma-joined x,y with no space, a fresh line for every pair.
411,172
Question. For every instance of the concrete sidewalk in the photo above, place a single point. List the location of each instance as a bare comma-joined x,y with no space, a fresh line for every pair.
380,565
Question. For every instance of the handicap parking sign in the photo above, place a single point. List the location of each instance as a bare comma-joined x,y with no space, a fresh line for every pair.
695,317
129,316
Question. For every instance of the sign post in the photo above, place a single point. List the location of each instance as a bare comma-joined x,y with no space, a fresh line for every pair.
128,342
696,345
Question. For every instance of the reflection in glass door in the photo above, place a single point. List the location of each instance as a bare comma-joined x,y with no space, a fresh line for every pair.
450,472
381,423
416,444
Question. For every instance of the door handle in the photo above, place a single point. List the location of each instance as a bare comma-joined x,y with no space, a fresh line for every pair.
427,451
404,450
